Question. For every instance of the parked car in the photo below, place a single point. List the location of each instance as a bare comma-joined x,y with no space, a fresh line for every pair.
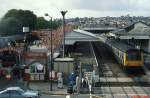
17,92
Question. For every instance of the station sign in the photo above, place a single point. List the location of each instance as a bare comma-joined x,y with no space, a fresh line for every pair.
25,29
35,55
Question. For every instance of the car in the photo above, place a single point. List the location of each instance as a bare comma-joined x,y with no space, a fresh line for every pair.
18,92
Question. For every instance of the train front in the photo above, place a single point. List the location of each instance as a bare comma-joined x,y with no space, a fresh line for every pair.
134,58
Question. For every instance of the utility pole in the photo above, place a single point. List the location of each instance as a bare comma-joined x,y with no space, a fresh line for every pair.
63,14
80,77
51,56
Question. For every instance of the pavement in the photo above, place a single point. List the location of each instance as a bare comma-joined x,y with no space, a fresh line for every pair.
44,88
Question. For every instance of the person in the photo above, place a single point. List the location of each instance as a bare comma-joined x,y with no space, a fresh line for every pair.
90,87
60,80
15,73
84,83
72,78
77,85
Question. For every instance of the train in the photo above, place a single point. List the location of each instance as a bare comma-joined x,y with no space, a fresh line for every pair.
126,55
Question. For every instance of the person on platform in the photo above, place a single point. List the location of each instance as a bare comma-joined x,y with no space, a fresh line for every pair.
60,80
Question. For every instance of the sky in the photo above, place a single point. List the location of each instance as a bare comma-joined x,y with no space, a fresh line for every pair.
79,8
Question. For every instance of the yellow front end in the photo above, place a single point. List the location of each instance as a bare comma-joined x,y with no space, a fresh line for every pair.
131,63
134,63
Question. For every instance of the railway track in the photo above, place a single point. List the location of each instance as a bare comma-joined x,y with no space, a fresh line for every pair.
136,81
109,78
102,70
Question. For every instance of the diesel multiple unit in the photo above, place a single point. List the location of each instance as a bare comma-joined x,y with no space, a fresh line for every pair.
126,55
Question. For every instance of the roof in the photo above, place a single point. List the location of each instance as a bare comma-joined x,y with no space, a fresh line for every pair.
140,28
64,59
137,23
100,28
38,48
13,88
85,32
79,35
137,28
119,45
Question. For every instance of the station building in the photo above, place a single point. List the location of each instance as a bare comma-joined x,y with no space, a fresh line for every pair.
137,34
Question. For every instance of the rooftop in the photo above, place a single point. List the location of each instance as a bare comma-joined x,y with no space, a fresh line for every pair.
138,28
13,88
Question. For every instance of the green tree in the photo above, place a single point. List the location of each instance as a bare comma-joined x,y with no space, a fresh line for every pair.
14,20
26,17
42,23
56,24
10,26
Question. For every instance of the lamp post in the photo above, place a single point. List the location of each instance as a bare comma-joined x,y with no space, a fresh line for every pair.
51,56
63,14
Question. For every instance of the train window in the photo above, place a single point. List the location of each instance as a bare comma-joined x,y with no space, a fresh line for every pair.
133,55
117,53
122,59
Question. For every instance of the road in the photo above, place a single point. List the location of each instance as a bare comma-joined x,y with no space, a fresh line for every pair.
5,84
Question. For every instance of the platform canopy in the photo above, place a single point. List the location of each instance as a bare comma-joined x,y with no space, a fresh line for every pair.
79,35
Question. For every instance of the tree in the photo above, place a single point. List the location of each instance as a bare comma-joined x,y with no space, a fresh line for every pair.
77,19
10,26
14,20
56,24
42,23
26,17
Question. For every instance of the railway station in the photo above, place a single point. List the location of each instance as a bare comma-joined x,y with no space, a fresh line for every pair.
114,65
84,46
113,76
74,49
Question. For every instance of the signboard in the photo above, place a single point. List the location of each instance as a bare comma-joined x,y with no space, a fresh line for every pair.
25,29
35,55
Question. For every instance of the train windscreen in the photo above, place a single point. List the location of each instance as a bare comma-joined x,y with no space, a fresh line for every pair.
133,55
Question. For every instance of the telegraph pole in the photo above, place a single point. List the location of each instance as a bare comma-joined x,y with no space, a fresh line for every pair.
63,14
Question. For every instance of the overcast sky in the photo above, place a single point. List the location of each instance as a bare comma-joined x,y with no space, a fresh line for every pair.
79,8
